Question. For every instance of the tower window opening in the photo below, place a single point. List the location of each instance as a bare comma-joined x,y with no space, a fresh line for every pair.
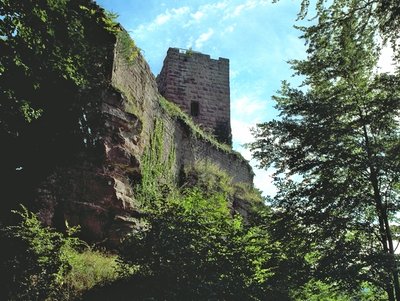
195,108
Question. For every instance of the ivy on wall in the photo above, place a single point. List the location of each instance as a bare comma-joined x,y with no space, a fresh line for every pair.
157,167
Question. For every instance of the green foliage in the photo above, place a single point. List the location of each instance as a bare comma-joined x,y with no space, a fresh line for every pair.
30,113
43,264
110,23
335,148
190,246
89,268
209,178
158,164
382,14
127,46
193,249
189,52
247,192
37,261
242,198
51,50
33,28
316,290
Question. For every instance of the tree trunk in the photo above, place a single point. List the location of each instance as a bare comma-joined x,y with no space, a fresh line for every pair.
389,291
393,264
387,234
384,226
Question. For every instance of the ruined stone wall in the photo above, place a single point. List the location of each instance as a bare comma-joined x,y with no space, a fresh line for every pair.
96,190
200,86
140,96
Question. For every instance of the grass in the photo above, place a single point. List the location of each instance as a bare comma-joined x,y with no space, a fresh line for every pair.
209,177
88,269
245,191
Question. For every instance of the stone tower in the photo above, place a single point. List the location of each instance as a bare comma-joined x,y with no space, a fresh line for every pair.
199,85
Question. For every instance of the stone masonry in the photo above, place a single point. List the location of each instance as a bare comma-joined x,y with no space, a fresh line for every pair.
200,86
96,189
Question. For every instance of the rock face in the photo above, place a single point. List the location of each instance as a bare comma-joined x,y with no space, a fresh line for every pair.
96,191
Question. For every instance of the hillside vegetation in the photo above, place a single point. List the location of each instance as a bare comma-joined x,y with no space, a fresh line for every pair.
330,232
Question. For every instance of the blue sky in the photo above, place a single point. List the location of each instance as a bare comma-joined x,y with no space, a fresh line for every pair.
255,35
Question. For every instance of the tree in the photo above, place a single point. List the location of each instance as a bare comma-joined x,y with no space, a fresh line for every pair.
336,149
55,63
385,14
47,43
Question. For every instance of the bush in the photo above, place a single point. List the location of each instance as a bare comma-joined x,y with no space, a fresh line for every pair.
194,250
316,290
35,259
43,264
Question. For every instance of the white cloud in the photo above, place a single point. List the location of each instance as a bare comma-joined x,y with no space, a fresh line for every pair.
162,19
179,11
204,37
189,43
263,180
233,73
229,29
213,7
197,15
296,48
241,131
246,153
247,106
206,11
239,9
386,62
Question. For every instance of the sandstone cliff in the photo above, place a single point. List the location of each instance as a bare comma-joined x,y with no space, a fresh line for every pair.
96,191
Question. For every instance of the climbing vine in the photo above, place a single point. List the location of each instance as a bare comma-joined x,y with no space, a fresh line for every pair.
127,46
157,164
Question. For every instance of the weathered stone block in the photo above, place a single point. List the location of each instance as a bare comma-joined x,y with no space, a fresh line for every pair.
202,76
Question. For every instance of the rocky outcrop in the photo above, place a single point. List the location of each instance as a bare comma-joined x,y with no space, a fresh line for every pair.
96,191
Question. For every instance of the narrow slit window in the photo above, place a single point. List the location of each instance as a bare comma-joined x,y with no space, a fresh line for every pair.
195,108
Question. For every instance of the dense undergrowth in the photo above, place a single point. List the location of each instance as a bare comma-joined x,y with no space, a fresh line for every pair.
192,245
43,264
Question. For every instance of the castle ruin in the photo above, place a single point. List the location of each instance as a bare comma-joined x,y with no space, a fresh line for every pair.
93,186
199,85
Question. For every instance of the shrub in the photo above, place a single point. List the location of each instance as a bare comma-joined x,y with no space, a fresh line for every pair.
194,250
43,264
35,259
